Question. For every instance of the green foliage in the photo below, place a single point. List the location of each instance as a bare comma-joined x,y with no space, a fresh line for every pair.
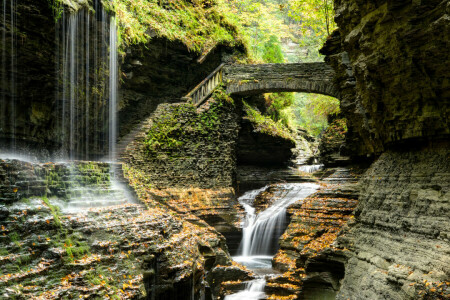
168,133
54,210
265,124
311,111
316,17
272,51
260,20
75,249
57,8
277,104
199,24
336,131
4,252
14,237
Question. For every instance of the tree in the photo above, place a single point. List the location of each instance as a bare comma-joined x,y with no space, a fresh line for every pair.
272,51
261,21
316,17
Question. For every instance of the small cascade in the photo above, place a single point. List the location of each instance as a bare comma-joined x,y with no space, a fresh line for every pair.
254,290
87,84
310,168
8,74
84,185
262,231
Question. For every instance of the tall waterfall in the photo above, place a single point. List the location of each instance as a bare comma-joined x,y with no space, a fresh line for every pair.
87,65
262,231
8,75
113,77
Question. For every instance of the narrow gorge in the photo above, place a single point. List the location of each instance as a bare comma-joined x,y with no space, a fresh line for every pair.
206,150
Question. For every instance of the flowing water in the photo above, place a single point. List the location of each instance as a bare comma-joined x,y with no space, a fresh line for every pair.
87,64
85,111
8,88
261,233
310,168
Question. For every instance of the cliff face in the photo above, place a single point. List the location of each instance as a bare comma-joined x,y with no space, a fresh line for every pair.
56,69
399,241
53,246
393,69
393,73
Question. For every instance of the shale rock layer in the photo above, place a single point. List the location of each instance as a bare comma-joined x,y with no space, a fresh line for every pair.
399,242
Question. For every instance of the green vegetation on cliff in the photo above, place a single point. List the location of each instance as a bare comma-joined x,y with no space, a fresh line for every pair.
266,124
168,134
199,24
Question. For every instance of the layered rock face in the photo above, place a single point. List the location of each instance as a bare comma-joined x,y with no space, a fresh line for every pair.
184,157
311,263
399,242
126,250
392,69
181,147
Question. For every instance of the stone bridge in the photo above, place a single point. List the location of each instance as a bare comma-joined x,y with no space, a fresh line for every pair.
269,78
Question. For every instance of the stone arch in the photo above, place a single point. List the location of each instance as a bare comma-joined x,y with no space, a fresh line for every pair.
268,78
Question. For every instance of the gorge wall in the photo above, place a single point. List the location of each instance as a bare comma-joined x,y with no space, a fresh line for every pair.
393,74
56,84
392,70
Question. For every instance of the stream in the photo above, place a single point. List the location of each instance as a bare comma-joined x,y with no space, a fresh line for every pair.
261,233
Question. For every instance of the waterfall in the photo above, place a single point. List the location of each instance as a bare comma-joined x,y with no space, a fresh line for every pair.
253,290
9,71
113,68
87,85
310,168
261,233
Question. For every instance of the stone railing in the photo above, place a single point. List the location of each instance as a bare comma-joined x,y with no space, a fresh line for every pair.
203,90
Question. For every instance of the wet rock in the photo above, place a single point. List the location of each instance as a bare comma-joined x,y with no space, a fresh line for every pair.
137,250
226,279
257,148
308,256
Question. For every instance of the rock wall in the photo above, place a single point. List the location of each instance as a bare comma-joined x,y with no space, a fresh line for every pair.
392,73
391,66
182,147
128,251
258,148
23,180
185,158
27,75
311,263
399,242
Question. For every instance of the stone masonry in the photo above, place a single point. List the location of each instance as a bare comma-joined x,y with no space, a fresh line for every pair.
267,78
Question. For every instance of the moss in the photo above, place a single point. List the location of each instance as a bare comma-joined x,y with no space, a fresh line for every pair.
169,134
75,249
336,131
14,238
265,124
54,210
200,24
